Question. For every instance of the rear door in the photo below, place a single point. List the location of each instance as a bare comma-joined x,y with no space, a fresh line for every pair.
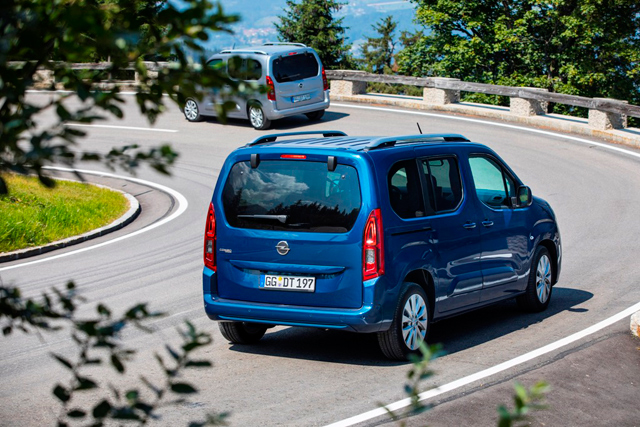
297,77
290,222
455,233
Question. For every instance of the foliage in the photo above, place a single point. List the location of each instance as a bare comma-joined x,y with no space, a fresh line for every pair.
419,372
311,22
579,47
378,51
525,401
33,215
98,343
35,31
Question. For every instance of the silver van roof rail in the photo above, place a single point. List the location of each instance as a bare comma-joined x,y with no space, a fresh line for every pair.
257,52
284,44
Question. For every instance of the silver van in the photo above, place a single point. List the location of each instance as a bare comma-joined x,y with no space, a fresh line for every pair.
292,73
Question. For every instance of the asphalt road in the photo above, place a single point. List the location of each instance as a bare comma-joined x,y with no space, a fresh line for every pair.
303,377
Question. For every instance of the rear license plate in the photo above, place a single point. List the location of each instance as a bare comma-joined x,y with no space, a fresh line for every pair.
299,98
287,283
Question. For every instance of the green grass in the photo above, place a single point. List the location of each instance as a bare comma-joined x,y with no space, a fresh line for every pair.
33,215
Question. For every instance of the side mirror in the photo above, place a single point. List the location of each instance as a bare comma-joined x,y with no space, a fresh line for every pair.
524,197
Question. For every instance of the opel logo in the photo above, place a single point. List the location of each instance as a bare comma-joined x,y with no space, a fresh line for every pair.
300,85
283,248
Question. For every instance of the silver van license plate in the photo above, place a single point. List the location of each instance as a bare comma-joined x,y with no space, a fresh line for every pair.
299,98
287,283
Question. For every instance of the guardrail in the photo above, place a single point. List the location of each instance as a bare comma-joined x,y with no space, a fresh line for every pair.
604,113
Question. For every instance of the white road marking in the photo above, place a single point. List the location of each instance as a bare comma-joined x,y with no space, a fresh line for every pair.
485,122
121,127
182,207
489,371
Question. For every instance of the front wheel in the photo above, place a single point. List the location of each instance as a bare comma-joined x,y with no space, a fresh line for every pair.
538,294
257,117
191,111
242,332
410,324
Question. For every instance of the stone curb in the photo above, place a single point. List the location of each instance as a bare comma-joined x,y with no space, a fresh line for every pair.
635,324
574,125
124,220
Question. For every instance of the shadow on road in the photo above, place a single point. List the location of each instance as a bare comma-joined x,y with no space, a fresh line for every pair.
456,334
298,122
480,326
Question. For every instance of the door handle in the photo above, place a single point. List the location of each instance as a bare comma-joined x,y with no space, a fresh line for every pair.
469,225
487,223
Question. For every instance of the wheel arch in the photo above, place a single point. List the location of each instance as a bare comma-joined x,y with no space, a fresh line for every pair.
424,279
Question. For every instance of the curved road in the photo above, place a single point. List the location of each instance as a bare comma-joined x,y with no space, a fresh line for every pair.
298,376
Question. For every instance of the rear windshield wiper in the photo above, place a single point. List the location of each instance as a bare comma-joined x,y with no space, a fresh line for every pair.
281,218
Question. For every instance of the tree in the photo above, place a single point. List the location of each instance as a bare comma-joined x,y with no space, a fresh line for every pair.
582,47
34,32
378,51
45,37
311,22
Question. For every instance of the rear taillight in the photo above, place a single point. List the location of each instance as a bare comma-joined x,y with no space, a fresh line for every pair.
210,239
325,83
373,247
271,90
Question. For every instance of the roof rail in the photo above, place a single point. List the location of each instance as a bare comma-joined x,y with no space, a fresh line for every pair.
273,137
284,44
257,52
414,139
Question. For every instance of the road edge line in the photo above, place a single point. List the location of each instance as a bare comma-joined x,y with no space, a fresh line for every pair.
489,371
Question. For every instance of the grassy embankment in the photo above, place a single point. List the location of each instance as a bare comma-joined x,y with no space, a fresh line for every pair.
33,215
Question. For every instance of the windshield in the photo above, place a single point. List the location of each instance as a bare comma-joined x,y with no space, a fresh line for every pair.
292,195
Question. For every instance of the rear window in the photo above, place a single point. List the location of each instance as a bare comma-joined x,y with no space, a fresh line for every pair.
292,195
295,67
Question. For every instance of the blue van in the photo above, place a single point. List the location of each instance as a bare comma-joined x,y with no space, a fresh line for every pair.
371,234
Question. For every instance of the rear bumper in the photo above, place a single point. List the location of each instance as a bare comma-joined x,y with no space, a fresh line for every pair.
367,318
273,114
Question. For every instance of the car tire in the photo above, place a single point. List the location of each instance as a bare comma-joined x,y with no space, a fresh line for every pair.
191,111
410,325
242,332
257,117
315,115
538,294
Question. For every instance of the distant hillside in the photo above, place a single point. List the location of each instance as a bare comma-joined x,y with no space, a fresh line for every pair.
258,17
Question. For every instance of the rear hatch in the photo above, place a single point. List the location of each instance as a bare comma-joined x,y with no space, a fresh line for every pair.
290,233
297,77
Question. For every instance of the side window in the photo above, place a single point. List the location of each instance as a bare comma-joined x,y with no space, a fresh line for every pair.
215,63
493,186
405,194
443,185
244,68
235,67
254,70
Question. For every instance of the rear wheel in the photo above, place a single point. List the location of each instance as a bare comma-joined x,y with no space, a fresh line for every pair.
191,111
257,117
538,294
242,332
315,115
410,324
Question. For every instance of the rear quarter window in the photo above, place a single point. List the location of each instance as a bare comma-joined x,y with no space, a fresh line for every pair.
292,195
290,68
